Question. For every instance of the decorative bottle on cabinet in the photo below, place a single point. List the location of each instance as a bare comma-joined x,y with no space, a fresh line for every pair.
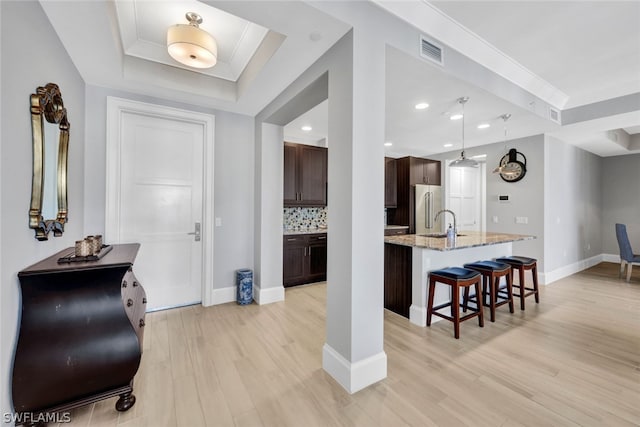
81,333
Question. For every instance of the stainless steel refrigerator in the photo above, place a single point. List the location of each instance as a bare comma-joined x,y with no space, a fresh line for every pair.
428,202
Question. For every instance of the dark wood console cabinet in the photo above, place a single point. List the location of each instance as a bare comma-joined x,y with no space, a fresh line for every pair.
81,332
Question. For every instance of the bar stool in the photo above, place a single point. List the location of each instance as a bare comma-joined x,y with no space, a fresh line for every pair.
457,278
491,273
521,264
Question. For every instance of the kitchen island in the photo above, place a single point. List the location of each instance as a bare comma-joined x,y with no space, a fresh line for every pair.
410,257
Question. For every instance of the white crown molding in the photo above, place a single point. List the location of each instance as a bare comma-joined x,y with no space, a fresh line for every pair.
435,23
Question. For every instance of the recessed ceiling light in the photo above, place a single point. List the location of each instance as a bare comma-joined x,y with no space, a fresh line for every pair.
484,125
306,128
422,106
455,116
448,145
388,144
315,36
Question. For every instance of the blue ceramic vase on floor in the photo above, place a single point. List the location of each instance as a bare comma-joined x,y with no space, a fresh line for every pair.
244,285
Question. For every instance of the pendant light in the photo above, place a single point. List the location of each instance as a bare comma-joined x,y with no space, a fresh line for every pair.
190,45
506,168
463,162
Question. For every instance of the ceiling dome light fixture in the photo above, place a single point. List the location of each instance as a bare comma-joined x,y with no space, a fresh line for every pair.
421,106
306,128
190,45
463,162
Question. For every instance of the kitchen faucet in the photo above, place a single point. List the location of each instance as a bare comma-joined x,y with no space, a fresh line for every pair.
455,226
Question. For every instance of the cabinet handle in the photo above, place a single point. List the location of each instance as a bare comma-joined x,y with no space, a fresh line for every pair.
144,300
292,239
124,283
141,323
129,302
301,198
309,250
322,238
305,251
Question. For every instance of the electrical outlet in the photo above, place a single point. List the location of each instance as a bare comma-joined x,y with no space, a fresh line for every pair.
218,222
522,220
495,219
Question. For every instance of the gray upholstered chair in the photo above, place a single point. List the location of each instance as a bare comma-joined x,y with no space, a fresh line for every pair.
627,257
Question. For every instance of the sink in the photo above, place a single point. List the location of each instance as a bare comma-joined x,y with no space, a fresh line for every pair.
438,235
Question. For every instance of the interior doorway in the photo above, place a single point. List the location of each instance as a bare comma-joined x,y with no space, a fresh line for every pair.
465,194
157,195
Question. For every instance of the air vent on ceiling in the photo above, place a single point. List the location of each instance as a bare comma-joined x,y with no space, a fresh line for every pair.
554,115
431,51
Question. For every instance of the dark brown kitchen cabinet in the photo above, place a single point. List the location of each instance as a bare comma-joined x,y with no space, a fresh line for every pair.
317,258
396,230
304,259
411,171
294,255
305,175
424,171
81,331
397,278
390,183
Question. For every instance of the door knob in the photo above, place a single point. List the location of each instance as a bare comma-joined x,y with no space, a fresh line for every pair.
196,233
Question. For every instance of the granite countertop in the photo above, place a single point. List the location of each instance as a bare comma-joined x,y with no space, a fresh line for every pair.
305,231
468,239
396,227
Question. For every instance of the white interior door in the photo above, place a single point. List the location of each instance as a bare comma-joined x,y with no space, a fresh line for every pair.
464,197
159,197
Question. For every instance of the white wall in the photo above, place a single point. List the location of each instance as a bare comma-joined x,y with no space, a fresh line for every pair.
37,59
234,178
620,200
573,201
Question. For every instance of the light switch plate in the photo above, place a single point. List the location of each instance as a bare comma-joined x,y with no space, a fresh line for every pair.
218,222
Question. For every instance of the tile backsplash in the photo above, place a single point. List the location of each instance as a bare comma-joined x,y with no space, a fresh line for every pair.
301,218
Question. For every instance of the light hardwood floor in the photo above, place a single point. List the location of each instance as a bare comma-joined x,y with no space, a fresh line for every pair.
572,360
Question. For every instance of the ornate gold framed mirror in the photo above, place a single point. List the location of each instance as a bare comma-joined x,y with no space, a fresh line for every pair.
50,129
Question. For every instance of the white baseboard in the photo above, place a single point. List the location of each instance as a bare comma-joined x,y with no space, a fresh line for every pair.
268,295
567,270
418,315
354,377
611,258
223,295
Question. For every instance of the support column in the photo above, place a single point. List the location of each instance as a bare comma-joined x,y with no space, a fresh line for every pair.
354,353
267,286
